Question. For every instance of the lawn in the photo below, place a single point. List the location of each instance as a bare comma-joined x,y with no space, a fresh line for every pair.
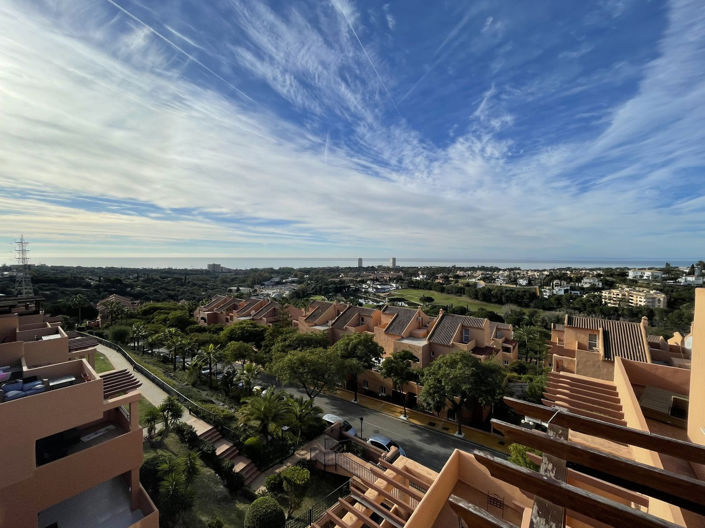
102,364
144,406
211,498
446,298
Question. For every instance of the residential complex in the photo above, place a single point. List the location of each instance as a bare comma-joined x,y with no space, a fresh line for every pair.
623,451
71,439
225,309
645,274
634,297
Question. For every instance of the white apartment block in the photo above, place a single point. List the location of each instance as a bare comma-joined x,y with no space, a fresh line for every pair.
634,297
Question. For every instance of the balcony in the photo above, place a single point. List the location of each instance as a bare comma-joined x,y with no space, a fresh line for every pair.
107,504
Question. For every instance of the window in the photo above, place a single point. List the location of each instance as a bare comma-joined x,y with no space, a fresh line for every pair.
499,333
592,341
362,320
383,390
466,335
506,362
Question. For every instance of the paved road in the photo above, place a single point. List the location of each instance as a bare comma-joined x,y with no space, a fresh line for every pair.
430,448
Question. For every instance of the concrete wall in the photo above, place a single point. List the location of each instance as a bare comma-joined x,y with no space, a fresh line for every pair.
650,375
591,364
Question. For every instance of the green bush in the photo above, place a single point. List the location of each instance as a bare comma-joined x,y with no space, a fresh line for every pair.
274,483
120,334
187,434
265,512
254,449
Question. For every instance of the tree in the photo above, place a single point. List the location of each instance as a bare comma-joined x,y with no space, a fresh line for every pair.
175,497
314,370
399,369
265,412
459,379
77,302
362,351
302,414
239,351
112,310
190,466
208,356
245,331
171,412
151,418
296,480
299,341
265,512
139,333
119,334
174,341
247,377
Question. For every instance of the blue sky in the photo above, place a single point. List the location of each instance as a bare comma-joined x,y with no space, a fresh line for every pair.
344,128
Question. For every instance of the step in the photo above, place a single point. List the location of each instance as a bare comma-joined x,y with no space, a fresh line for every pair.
231,453
240,462
211,435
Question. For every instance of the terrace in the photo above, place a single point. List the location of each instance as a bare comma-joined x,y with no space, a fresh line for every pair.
107,504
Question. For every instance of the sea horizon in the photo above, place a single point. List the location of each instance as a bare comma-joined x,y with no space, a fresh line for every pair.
324,262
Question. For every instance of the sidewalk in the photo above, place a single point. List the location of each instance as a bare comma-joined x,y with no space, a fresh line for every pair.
149,390
424,420
300,454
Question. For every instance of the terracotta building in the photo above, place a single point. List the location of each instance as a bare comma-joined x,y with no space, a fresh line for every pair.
629,451
70,441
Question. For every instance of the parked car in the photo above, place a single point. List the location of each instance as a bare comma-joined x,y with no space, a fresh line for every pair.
331,419
385,444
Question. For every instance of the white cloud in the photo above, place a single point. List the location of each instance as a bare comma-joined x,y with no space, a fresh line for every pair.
80,117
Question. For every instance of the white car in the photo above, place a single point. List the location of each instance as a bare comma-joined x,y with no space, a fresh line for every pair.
331,419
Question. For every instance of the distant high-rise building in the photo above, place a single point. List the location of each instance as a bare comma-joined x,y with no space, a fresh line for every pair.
359,262
215,268
393,262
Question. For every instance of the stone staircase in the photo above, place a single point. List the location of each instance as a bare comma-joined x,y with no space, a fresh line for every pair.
226,449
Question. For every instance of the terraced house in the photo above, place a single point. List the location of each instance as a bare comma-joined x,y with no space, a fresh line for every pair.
629,451
71,443
225,309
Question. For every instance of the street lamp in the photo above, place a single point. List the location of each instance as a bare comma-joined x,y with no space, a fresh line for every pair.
361,428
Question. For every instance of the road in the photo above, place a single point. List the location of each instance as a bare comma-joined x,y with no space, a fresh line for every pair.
426,446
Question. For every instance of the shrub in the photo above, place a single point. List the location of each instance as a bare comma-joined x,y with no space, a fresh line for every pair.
274,483
187,434
215,522
233,481
265,512
120,334
254,448
296,480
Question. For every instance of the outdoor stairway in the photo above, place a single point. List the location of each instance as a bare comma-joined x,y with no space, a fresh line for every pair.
588,397
246,468
226,449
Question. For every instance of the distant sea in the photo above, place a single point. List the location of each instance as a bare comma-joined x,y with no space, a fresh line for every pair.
247,262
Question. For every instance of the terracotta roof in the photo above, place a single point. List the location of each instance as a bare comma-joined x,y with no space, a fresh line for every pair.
400,321
622,338
271,305
318,311
654,339
445,329
79,343
247,307
349,314
214,302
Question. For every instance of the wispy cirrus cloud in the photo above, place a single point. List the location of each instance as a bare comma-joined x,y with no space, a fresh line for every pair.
139,108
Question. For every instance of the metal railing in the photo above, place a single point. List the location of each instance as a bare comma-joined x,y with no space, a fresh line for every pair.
192,407
316,511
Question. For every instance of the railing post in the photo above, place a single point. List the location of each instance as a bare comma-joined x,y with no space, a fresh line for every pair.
310,516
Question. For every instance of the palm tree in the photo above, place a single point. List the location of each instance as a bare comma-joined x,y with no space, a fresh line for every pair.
77,302
265,412
248,375
522,335
173,339
190,466
139,332
302,413
208,356
151,418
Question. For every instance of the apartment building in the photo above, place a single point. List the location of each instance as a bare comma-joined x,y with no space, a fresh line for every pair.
635,297
70,441
624,452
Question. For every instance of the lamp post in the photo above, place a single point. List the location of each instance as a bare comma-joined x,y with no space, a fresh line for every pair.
361,418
